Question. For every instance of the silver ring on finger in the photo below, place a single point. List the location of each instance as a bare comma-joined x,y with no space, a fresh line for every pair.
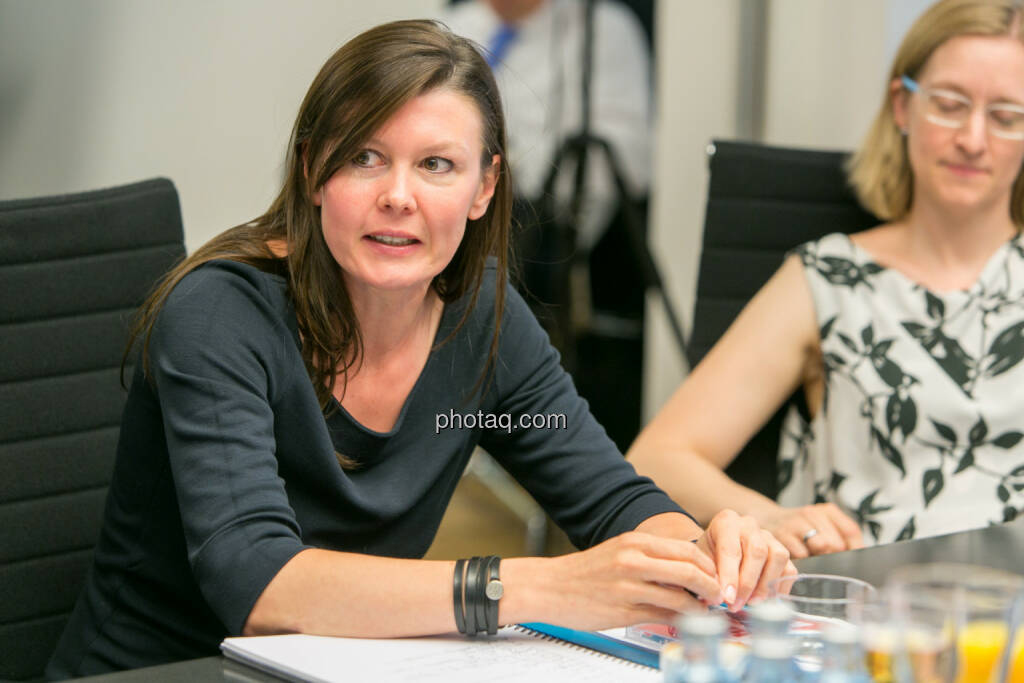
809,534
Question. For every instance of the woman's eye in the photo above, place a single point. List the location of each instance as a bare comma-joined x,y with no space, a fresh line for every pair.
950,105
437,164
366,158
1008,118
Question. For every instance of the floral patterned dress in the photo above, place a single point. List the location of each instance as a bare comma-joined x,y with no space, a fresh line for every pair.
920,431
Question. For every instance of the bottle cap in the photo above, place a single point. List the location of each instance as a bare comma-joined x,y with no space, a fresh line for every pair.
702,623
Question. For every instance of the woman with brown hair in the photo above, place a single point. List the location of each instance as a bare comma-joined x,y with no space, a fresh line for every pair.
906,338
283,456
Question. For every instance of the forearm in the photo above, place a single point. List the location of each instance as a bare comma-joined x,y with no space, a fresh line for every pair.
699,486
345,594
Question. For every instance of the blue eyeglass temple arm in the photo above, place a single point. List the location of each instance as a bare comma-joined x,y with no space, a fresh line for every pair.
909,83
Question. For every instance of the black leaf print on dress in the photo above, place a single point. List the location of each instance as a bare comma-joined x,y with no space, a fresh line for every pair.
877,352
891,373
900,414
978,432
946,351
873,338
1007,350
850,344
1009,440
844,272
867,335
881,348
944,430
820,488
867,507
933,304
827,327
966,461
932,484
1003,493
908,530
889,452
785,473
834,361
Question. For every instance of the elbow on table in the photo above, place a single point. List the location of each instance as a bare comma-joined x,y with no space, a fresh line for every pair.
265,620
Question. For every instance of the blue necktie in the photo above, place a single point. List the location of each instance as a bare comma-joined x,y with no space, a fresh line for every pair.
502,38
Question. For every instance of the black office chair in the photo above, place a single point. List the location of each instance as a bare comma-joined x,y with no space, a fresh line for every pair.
762,202
73,268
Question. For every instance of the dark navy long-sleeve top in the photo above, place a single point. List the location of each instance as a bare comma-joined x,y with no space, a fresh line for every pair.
226,465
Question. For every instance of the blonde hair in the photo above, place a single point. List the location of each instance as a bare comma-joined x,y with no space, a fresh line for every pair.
880,171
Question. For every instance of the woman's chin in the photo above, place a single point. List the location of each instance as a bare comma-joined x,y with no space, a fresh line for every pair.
389,281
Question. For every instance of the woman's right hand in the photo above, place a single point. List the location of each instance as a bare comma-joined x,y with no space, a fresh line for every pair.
814,529
632,578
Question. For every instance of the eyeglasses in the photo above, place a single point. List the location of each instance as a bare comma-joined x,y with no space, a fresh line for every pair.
952,110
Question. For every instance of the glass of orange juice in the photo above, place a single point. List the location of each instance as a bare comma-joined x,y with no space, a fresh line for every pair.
982,605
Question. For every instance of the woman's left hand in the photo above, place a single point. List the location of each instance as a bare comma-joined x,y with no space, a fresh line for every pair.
746,557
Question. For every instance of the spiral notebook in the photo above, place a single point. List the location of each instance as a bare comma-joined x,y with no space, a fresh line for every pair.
516,653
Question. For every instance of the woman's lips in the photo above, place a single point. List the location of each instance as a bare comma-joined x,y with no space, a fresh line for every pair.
393,240
966,170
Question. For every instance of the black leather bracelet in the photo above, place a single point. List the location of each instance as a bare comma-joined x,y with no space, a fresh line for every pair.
479,583
458,595
468,592
492,592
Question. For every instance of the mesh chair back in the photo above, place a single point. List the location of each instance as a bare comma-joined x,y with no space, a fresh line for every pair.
762,202
73,269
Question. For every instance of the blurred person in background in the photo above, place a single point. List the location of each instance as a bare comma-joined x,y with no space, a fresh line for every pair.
575,260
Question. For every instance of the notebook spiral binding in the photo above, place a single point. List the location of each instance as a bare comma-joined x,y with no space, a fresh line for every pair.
579,646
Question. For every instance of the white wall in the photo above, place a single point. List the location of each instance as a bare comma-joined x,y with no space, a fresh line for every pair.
825,73
102,92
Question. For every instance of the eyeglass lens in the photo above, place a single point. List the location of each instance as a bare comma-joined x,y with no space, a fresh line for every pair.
953,110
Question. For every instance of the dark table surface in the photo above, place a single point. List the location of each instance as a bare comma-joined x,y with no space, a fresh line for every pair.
997,546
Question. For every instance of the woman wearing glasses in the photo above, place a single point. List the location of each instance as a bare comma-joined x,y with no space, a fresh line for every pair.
907,338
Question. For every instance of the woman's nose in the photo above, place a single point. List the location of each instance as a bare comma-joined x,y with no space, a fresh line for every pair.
972,137
396,193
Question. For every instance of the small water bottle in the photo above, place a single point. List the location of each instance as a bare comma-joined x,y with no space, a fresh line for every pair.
771,661
842,655
769,618
696,658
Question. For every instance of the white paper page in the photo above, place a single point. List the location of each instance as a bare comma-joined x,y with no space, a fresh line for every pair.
510,656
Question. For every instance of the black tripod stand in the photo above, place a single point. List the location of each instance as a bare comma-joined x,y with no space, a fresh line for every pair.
565,259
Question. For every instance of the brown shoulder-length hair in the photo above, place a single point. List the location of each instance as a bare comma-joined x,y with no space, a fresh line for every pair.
880,170
362,84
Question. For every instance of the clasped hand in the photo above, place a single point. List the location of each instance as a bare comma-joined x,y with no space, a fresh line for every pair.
655,572
814,530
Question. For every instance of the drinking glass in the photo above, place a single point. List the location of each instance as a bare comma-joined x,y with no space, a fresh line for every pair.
819,600
908,637
982,608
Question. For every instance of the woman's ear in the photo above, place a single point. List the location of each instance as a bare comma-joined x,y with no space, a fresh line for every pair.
487,185
898,96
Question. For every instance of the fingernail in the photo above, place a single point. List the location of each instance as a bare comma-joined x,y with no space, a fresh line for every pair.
729,594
